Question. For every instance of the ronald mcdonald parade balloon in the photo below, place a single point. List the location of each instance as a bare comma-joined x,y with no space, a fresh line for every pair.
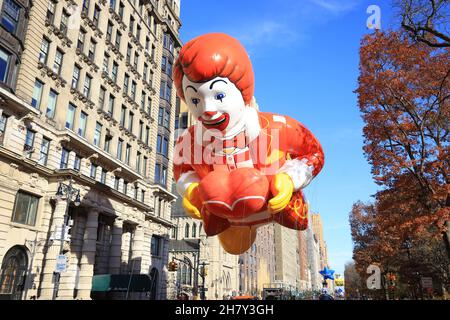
237,168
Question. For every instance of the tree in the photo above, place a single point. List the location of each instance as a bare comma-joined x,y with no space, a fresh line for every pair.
426,21
403,95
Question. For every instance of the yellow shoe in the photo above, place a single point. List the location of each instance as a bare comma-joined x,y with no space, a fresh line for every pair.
236,240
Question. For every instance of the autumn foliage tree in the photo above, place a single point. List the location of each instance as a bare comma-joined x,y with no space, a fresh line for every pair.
404,99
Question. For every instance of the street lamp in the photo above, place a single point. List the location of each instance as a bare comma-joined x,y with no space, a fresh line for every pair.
71,194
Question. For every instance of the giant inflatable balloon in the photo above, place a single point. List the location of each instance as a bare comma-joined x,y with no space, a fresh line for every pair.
237,168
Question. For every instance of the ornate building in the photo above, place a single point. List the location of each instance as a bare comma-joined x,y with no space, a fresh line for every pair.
86,98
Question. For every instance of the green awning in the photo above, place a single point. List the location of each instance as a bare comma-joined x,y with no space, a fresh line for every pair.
121,282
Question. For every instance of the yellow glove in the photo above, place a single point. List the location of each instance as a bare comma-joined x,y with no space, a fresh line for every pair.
282,188
190,196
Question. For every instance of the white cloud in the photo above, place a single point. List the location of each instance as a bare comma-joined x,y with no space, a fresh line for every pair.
335,7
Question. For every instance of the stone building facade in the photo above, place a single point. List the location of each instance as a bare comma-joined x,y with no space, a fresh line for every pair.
86,99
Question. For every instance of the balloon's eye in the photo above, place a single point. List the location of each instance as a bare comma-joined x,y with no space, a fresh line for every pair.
195,101
220,96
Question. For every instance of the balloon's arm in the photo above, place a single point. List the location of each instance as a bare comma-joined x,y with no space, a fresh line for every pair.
307,157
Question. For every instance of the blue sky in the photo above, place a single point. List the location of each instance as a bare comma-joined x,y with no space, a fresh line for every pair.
305,59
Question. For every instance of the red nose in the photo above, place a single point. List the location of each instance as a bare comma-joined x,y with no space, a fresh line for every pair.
209,114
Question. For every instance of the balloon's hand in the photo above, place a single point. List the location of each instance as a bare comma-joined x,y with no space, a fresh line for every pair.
189,198
282,188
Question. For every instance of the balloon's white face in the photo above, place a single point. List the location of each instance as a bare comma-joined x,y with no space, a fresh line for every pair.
217,104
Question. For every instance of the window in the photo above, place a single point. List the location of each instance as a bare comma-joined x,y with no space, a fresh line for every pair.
147,43
175,232
103,176
133,90
123,113
155,246
101,98
160,174
91,53
96,15
116,182
107,144
161,116
118,37
141,129
125,187
163,64
161,89
109,30
114,72
70,116
82,125
43,156
144,74
58,61
87,86
131,24
143,98
167,119
37,94
194,230
77,163
119,149
168,92
75,76
165,147
111,104
29,142
126,82
97,134
186,231
25,208
64,22
136,60
51,104
80,42
158,143
127,154
3,120
105,66
93,173
147,135
10,15
169,69
64,158
85,8
138,162
129,53
138,32
149,105
144,166
142,195
43,53
112,4
135,192
51,11
130,121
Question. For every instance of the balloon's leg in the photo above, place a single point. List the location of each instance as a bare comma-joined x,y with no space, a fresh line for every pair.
236,240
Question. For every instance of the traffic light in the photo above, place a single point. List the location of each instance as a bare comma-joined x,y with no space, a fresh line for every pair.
173,266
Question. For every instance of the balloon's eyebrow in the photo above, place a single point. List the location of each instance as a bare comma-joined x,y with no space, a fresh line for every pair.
210,87
191,88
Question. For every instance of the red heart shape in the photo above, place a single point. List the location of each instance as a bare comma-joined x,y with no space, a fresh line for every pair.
235,194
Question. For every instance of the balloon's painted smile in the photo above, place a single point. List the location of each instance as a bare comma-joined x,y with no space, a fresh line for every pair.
221,123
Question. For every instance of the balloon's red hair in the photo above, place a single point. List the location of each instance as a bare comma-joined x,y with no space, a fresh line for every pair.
215,55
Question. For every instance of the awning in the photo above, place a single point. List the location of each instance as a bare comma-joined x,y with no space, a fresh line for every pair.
121,283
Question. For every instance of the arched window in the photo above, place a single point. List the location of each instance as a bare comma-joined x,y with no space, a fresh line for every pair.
184,274
186,230
200,228
194,230
13,272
